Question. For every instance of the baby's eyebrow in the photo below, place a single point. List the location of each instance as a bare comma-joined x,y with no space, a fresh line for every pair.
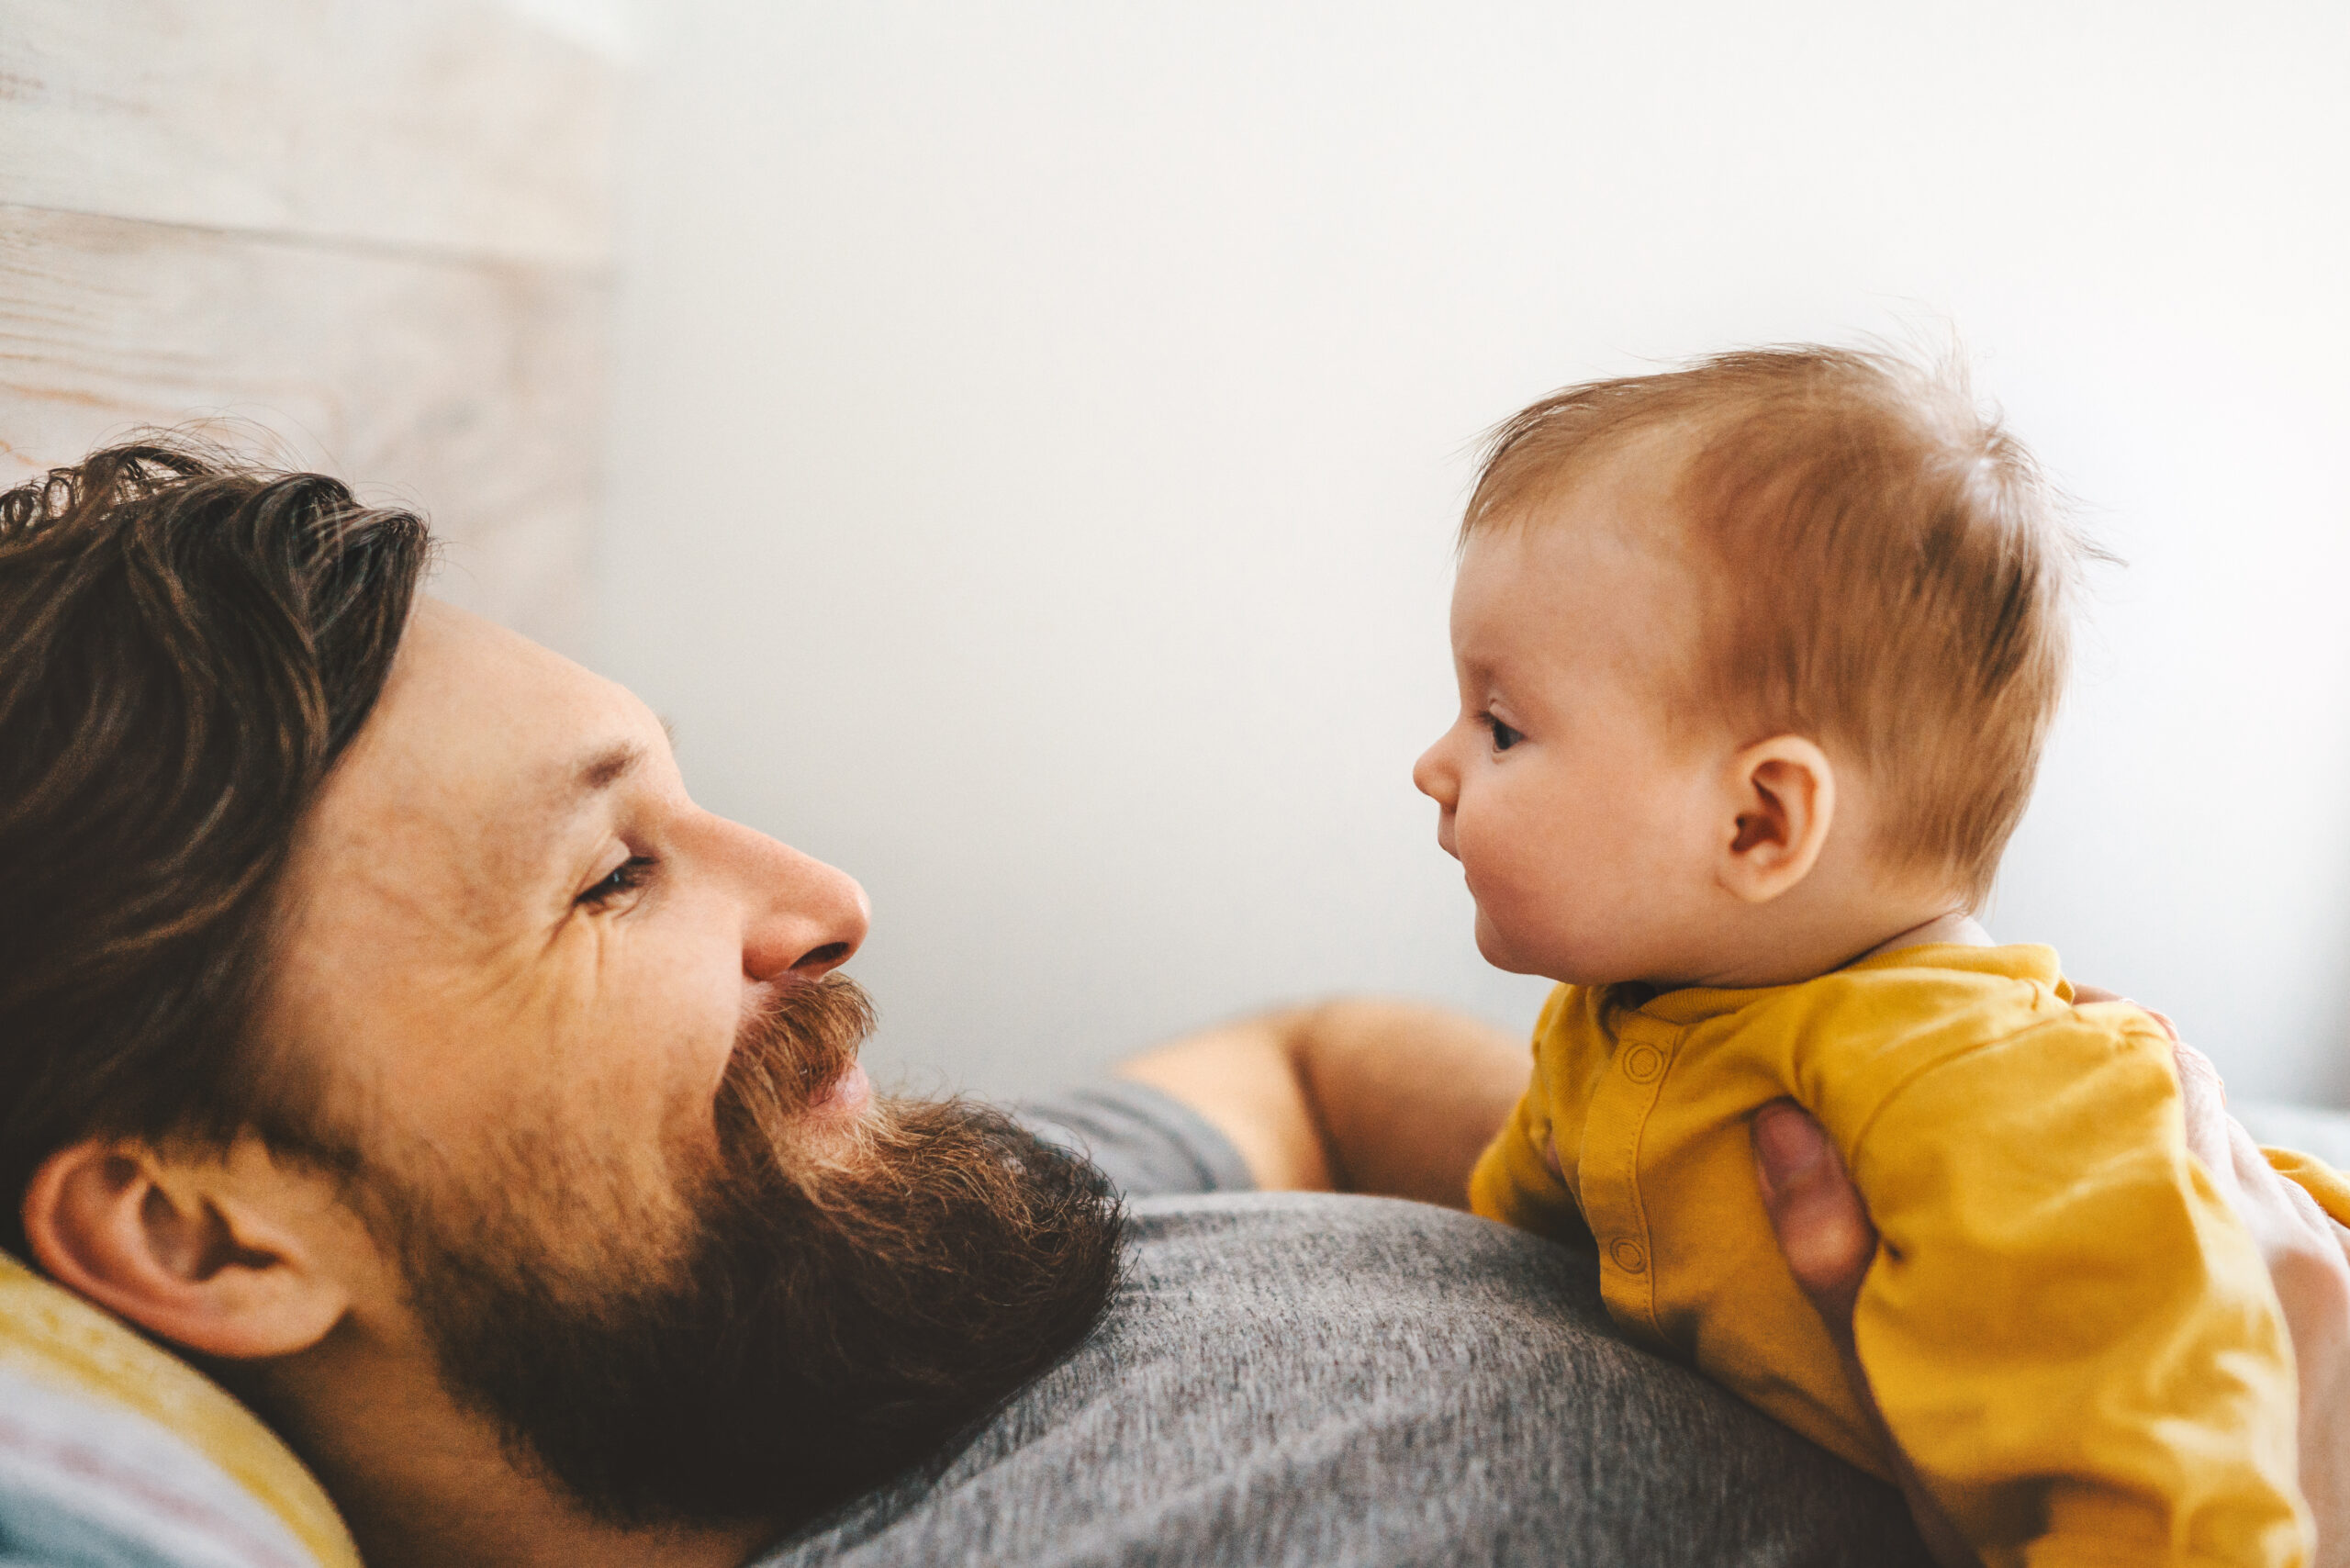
1477,665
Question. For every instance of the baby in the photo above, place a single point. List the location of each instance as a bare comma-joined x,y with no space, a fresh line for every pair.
1756,660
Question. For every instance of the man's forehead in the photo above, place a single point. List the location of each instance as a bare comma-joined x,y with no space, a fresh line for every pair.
480,732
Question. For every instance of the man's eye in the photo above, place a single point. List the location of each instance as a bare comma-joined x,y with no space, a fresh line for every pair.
626,877
1503,737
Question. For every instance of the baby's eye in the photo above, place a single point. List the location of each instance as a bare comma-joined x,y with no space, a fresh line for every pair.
625,878
1503,737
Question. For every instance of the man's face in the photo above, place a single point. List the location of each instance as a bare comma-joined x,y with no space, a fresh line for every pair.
509,922
583,1042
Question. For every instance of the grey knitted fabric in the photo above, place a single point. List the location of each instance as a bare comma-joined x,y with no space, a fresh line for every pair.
1301,1378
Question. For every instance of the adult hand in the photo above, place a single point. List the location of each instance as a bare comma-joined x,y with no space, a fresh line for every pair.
1825,1234
1826,1237
2309,1263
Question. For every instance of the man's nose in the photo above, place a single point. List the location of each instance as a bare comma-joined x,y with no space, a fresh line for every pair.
807,918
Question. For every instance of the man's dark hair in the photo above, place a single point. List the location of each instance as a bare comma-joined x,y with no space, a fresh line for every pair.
190,641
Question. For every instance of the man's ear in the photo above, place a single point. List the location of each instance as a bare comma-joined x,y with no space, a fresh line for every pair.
1782,799
210,1253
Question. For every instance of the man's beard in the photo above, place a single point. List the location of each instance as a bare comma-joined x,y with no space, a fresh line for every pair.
835,1312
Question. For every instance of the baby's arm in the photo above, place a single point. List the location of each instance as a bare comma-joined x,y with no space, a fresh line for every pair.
1830,1243
1517,1179
2067,1331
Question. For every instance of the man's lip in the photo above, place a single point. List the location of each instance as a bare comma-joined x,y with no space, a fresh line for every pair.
846,1095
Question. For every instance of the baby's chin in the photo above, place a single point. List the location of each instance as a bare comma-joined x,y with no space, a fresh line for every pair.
1567,964
1500,950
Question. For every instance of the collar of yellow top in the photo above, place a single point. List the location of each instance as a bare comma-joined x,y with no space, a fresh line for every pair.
2021,960
52,1335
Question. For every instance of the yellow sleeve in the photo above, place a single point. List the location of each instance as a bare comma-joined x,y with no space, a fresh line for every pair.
2316,1178
2069,1334
1514,1181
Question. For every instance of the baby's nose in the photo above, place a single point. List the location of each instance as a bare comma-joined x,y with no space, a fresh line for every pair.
1432,778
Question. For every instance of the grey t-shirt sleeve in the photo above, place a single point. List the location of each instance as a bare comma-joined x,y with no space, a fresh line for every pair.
1148,1142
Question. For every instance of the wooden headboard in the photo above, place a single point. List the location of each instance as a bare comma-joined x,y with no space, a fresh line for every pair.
374,232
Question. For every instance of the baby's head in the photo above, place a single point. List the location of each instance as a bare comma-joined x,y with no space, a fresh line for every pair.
1756,660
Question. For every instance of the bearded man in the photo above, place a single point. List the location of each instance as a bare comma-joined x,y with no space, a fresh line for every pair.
385,1029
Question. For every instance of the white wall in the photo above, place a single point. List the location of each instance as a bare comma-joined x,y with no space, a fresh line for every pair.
1040,428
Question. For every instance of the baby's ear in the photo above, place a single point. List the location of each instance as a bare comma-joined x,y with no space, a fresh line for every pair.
1780,796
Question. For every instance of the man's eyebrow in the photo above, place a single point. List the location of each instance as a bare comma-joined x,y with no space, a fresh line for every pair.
606,768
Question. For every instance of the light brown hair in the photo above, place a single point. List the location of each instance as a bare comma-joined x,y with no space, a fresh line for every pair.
1879,566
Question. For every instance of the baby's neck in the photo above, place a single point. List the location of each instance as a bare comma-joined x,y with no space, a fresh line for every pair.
1820,936
1957,928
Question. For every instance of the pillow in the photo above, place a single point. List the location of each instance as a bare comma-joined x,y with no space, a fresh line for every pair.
114,1452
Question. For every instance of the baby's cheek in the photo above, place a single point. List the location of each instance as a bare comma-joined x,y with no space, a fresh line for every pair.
1527,915
1501,869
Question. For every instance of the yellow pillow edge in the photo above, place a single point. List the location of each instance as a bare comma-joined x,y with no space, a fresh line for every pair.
53,1336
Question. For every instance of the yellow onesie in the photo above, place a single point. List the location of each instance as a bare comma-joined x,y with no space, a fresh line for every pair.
2067,1330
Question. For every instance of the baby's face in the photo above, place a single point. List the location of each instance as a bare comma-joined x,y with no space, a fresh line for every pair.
1582,826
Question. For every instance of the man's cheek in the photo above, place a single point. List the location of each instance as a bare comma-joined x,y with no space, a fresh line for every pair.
673,1012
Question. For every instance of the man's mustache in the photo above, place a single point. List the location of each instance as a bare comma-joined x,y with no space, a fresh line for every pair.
831,1308
791,1053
